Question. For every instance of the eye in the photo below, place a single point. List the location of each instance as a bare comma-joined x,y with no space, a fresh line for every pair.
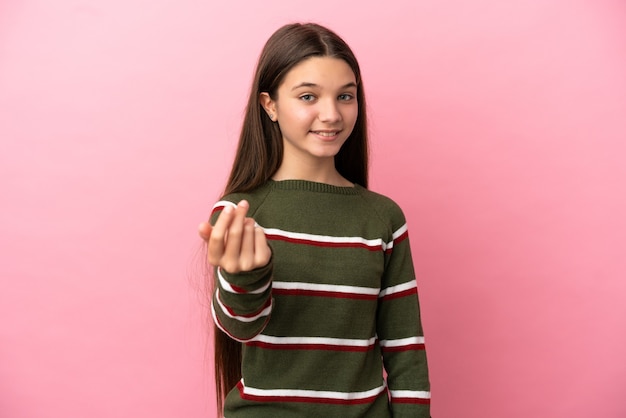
307,97
345,97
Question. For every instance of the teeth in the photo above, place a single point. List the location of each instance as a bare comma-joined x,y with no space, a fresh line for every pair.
326,133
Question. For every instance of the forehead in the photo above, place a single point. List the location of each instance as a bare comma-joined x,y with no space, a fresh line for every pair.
323,71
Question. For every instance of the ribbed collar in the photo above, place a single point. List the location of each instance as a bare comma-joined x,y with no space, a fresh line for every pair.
312,186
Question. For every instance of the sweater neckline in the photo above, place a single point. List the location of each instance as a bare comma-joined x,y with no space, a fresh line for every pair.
312,186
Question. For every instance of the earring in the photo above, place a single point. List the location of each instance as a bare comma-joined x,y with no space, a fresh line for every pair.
271,115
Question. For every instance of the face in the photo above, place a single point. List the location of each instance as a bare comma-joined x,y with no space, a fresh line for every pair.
316,108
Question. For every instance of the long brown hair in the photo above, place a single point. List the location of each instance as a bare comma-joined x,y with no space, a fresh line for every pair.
260,150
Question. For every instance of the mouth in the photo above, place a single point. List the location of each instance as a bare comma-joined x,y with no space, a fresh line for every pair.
327,133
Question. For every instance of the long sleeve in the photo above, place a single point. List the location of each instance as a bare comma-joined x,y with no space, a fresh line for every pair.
242,302
400,331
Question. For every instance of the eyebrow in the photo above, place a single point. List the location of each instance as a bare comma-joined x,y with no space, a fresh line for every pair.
307,84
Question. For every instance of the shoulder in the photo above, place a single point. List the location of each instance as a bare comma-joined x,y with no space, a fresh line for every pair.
385,207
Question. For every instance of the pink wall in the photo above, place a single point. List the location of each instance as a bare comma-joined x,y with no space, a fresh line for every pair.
498,126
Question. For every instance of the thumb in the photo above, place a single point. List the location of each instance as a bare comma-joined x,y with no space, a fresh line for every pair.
204,230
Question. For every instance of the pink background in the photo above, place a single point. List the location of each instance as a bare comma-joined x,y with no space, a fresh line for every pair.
498,126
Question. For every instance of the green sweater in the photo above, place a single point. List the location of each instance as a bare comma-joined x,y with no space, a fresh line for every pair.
336,304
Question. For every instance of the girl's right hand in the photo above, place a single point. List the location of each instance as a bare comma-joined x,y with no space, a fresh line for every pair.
235,244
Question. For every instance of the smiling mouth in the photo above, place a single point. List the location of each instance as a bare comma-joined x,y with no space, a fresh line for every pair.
328,134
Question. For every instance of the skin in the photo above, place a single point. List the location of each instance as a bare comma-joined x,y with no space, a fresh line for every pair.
234,243
316,109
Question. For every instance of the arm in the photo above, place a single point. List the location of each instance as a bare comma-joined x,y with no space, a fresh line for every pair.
242,302
400,332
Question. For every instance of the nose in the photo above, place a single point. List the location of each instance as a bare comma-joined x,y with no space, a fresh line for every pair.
329,111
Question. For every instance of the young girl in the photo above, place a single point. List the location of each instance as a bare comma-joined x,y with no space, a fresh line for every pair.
314,292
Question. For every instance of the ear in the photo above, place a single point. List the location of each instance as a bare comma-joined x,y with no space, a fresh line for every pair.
268,104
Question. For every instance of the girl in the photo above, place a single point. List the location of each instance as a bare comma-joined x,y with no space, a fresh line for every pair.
314,291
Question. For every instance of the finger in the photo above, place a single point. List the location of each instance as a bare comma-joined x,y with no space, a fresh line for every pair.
232,250
246,257
217,240
204,230
262,251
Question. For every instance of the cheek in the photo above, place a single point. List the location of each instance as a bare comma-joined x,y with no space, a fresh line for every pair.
351,114
299,117
304,113
295,122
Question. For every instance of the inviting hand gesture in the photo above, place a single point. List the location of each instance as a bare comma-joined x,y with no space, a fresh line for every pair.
235,244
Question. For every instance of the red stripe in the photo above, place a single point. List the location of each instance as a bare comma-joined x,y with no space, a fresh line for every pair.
217,209
225,330
326,347
397,241
257,398
324,244
250,315
404,293
237,289
403,348
419,401
328,294
401,238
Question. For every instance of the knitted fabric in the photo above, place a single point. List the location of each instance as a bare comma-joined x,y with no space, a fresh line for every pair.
335,306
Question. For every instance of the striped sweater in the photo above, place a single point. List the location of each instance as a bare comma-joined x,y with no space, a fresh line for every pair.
335,306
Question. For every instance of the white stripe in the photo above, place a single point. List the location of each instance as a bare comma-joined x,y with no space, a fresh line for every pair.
320,394
415,394
326,288
396,235
314,340
402,342
217,324
264,312
326,238
227,287
400,231
398,288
